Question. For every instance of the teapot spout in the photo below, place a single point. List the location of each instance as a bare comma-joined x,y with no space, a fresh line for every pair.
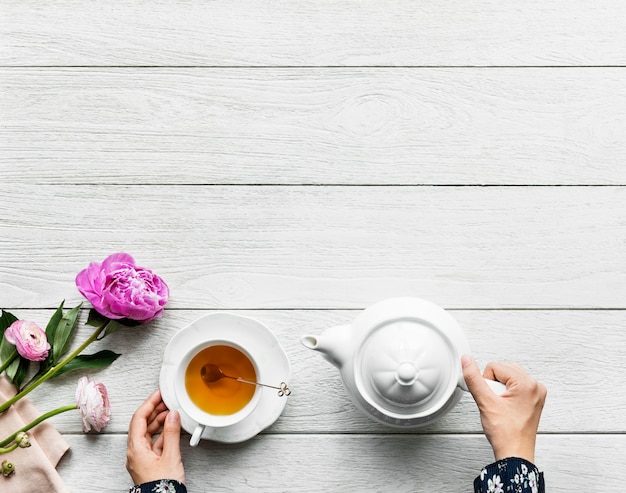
334,344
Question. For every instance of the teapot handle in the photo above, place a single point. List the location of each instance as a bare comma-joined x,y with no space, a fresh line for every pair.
498,387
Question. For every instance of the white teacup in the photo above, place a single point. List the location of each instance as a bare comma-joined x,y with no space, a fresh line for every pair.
193,410
260,347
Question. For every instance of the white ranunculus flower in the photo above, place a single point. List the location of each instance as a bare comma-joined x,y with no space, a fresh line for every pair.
92,400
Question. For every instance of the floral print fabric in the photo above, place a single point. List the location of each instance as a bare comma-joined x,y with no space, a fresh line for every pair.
160,486
510,475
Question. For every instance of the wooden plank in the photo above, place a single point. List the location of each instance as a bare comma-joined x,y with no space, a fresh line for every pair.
300,126
298,33
347,463
578,355
323,247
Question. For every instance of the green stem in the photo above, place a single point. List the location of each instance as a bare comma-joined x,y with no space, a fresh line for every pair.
9,360
8,449
35,422
54,369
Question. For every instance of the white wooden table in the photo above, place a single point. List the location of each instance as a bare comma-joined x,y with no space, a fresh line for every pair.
298,161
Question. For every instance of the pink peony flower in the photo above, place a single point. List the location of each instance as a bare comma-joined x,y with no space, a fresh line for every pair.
117,288
29,339
92,399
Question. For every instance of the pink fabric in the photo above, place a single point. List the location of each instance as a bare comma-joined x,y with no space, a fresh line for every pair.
35,466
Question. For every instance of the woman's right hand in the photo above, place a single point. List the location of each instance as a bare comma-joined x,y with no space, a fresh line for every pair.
150,459
510,421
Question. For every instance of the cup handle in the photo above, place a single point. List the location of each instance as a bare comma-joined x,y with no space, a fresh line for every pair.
195,437
498,387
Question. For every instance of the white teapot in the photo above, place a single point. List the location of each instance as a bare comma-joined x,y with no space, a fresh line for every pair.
400,361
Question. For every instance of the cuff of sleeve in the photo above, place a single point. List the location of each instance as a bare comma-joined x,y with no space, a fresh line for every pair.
160,486
510,474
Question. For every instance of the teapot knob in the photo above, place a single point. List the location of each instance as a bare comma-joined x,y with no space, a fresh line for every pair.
406,373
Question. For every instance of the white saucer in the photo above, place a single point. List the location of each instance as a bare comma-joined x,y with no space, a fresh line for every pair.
269,357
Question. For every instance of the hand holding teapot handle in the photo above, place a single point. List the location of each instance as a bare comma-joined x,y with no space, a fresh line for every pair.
497,388
509,420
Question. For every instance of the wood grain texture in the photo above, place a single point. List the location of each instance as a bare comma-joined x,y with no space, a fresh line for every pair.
298,161
576,354
296,33
308,126
348,463
323,247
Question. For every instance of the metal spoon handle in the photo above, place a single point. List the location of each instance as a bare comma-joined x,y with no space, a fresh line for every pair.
282,390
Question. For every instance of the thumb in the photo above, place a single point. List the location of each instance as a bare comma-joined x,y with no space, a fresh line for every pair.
475,382
171,434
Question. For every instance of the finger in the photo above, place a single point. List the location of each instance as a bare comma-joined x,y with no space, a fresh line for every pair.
171,435
503,372
157,446
156,418
149,406
155,425
139,421
475,383
157,410
515,365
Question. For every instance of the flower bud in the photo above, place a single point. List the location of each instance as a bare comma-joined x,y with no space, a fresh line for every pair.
93,401
7,468
22,440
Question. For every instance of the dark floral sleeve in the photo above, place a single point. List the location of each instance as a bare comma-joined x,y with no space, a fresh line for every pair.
510,475
160,486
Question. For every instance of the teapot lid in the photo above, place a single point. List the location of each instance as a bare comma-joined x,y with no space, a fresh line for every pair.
406,367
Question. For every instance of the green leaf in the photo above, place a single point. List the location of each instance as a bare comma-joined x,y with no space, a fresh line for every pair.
112,326
101,359
21,373
63,333
129,322
95,319
12,369
6,350
6,319
51,329
17,370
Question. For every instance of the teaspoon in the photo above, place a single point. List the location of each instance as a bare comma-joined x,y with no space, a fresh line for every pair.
211,373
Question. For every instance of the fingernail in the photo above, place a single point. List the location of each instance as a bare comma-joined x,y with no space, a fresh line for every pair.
173,416
466,360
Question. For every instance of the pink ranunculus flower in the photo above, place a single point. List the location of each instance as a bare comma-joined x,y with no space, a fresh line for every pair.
117,288
92,399
29,339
